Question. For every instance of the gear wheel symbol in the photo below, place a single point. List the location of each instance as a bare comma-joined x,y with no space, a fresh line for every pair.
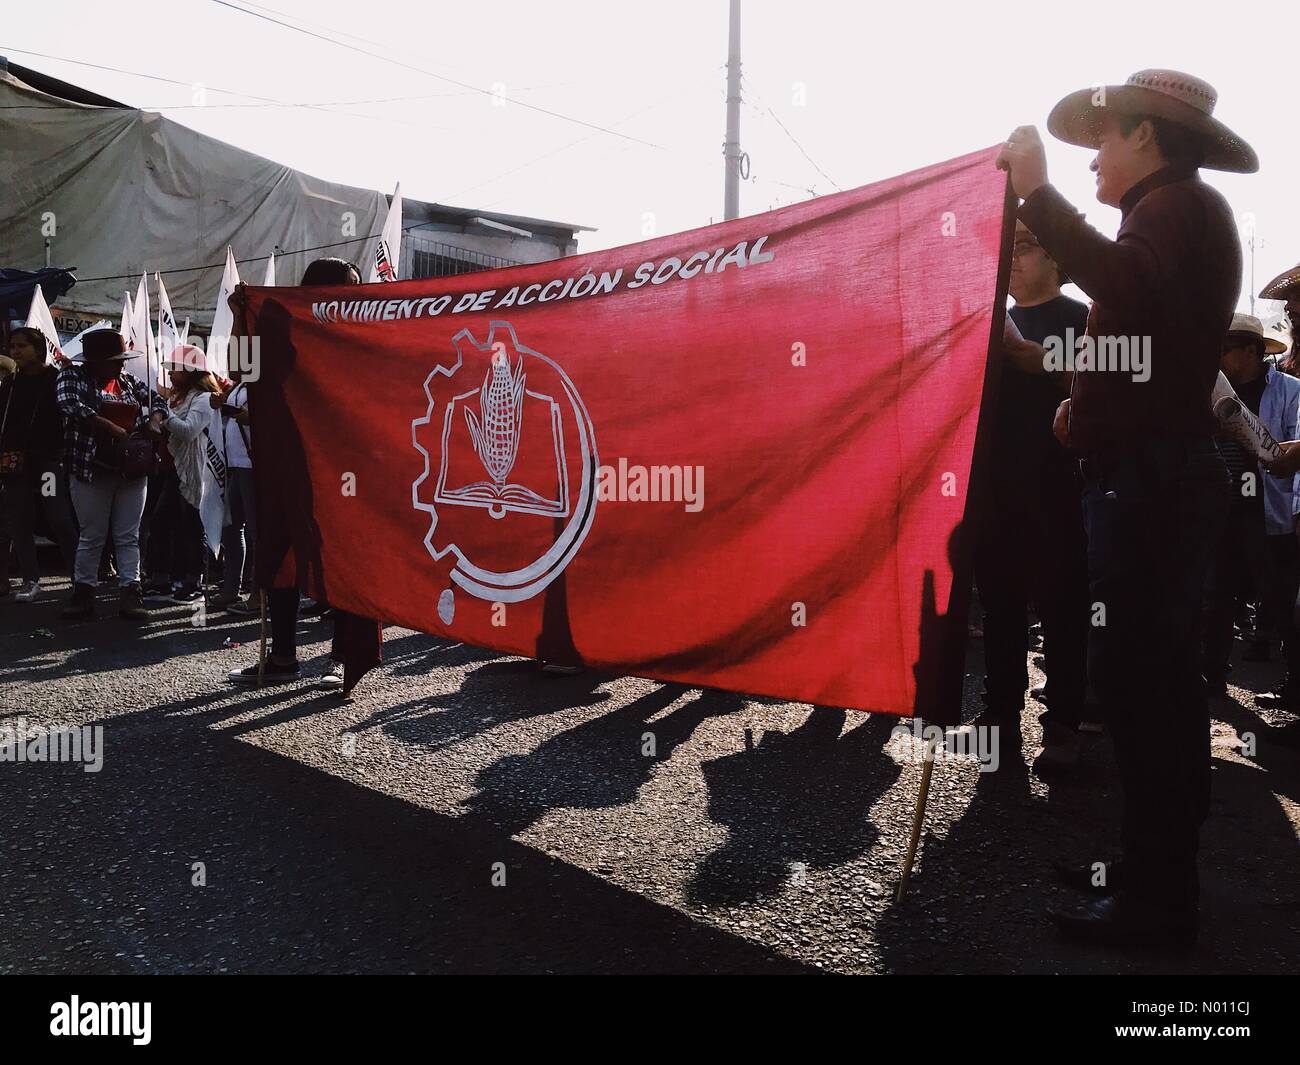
495,401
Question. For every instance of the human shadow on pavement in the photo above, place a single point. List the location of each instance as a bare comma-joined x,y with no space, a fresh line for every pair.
802,796
495,693
194,851
600,763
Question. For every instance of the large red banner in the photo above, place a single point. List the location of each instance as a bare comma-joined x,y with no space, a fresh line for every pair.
737,457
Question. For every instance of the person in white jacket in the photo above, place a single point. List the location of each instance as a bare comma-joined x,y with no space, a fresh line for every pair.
178,526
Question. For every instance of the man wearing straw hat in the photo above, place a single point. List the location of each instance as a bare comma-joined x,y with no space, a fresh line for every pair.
1156,488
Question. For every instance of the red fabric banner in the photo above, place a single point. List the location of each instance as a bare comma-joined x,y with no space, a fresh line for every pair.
736,457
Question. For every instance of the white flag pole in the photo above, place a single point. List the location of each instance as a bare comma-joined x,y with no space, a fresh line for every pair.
39,317
169,337
223,319
127,329
388,252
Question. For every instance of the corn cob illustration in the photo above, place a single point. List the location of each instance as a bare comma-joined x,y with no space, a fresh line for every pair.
501,402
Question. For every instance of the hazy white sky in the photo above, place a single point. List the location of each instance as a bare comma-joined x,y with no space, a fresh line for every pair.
867,90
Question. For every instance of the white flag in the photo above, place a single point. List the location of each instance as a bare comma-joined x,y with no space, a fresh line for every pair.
169,337
185,332
39,317
223,319
388,252
127,329
212,491
144,340
269,280
72,349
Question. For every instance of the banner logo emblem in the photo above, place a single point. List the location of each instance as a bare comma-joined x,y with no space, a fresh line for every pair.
509,466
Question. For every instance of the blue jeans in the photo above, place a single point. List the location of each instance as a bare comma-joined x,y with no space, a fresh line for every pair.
1153,513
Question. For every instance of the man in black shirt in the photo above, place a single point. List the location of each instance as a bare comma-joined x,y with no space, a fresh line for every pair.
1032,546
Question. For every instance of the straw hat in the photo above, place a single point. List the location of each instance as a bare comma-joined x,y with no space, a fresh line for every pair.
1247,325
1181,98
1283,286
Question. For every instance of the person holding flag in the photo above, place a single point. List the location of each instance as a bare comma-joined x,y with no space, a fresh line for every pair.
179,533
1156,487
355,647
105,409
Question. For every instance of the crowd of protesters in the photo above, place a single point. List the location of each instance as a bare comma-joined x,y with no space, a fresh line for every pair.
1144,539
115,465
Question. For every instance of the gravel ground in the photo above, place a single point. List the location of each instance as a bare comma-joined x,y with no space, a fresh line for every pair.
638,826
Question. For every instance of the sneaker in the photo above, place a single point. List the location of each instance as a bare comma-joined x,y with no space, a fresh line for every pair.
29,591
223,600
185,594
130,603
332,677
275,673
81,604
157,593
246,607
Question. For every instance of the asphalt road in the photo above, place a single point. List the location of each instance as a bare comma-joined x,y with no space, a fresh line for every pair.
465,813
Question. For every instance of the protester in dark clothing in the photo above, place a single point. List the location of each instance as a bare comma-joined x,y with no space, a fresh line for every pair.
1032,548
350,630
1156,490
31,439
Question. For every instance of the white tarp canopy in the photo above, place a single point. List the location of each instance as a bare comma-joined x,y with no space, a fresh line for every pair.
127,191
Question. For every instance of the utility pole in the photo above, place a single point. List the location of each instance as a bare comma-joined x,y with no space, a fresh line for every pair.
731,149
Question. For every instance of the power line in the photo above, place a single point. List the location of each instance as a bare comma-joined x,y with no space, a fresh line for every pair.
434,74
250,259
777,119
173,81
805,154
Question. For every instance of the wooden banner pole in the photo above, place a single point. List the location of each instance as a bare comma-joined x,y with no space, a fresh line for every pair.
918,817
261,652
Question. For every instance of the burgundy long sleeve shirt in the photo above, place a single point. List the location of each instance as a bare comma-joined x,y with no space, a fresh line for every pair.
1172,274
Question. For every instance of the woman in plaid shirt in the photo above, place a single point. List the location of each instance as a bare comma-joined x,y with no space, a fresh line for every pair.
102,404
